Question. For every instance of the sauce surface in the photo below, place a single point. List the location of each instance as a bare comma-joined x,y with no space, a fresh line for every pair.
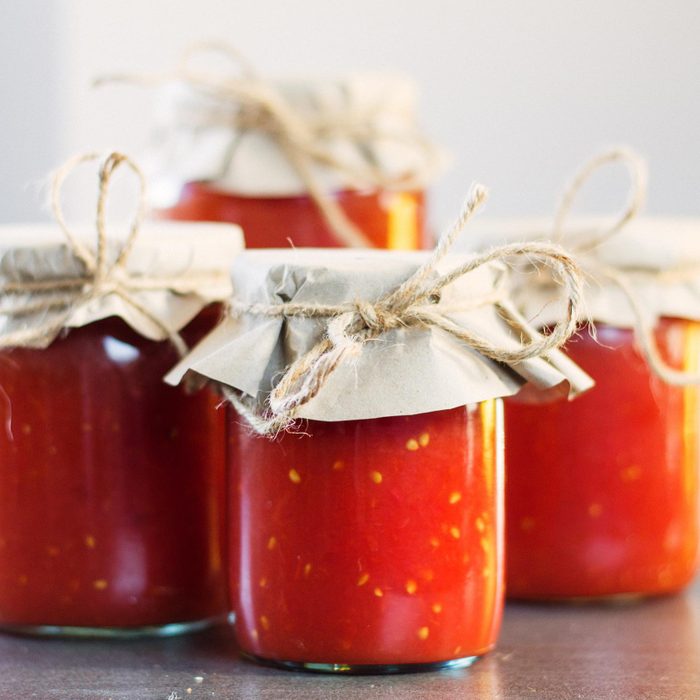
369,542
602,492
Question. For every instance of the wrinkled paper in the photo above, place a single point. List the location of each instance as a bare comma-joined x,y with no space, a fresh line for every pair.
401,372
32,253
194,138
659,258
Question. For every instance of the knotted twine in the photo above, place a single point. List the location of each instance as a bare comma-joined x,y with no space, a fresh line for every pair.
101,277
623,280
415,303
304,140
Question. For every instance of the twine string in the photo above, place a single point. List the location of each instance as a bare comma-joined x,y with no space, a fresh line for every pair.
261,107
645,334
636,199
415,303
218,48
100,279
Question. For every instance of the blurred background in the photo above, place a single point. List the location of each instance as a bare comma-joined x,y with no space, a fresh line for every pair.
519,92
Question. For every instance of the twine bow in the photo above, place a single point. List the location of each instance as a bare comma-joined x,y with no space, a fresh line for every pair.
585,250
302,139
413,304
101,276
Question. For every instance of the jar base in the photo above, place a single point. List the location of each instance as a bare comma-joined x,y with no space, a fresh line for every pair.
171,629
362,669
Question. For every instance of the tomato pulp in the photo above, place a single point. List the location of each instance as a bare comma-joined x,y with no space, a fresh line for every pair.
111,483
389,219
369,543
602,492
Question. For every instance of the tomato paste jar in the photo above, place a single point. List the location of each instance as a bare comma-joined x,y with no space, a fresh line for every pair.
365,454
405,566
302,163
617,514
602,492
111,482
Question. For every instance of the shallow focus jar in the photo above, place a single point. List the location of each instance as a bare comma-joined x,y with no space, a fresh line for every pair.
111,482
295,162
602,493
366,536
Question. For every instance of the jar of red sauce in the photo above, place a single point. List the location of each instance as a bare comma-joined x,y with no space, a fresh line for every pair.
263,154
111,482
370,544
366,536
602,493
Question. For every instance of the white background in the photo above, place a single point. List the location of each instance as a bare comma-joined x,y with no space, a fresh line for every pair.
520,91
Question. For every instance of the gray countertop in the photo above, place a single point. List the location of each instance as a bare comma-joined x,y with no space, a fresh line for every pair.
643,651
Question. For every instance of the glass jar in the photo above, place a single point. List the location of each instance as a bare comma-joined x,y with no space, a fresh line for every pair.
602,493
365,453
369,545
111,488
284,158
388,219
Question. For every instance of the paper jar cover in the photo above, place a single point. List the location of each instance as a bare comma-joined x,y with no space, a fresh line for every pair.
194,258
372,120
660,259
402,371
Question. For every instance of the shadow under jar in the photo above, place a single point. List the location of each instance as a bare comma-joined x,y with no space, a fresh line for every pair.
369,545
602,493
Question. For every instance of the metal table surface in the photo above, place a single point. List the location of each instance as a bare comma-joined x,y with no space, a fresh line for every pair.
643,651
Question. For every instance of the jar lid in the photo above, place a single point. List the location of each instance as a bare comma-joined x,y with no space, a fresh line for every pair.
376,333
657,260
356,132
638,269
156,277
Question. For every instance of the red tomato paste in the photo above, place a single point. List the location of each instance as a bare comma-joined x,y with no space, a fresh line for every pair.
111,486
602,492
389,219
369,544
